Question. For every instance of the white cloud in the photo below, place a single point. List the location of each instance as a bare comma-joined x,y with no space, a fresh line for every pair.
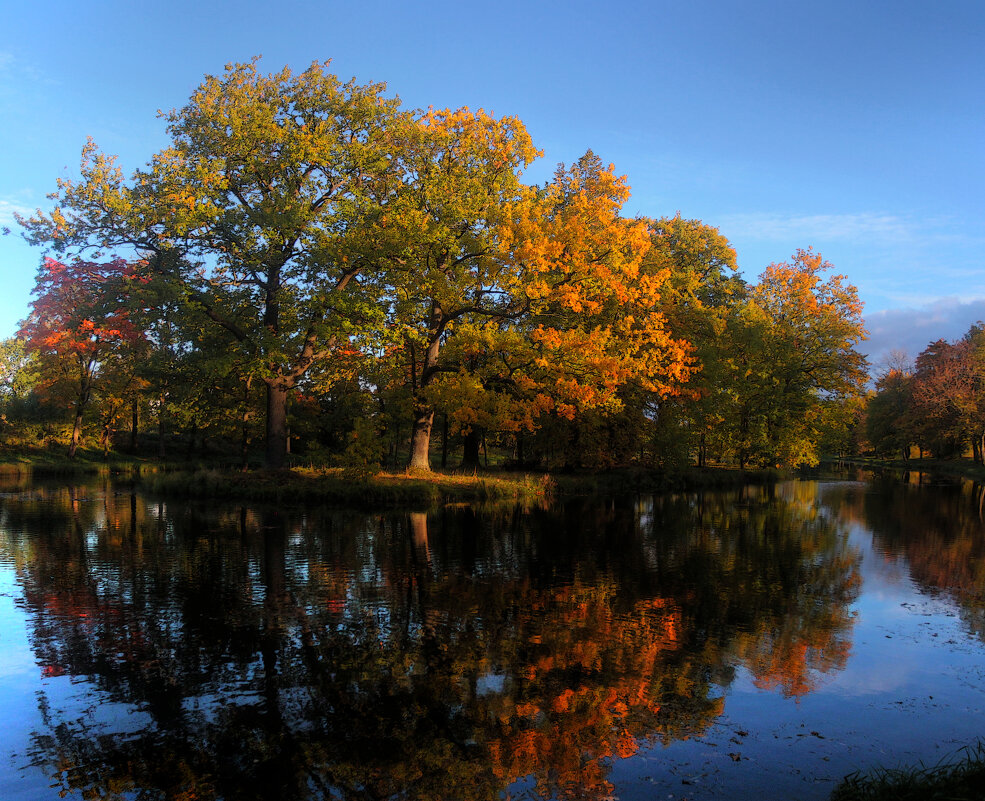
912,329
7,210
867,226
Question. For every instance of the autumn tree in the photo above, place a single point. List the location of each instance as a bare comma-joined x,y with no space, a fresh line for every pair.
246,207
889,413
792,360
699,300
79,329
596,324
949,394
460,170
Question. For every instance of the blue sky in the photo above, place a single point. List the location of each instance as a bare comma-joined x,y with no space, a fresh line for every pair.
855,128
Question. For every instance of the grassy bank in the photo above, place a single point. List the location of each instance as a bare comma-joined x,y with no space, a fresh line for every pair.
960,778
358,491
423,490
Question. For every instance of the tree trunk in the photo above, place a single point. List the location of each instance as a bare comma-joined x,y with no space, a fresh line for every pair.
420,437
73,446
470,454
444,441
192,436
162,433
244,445
133,426
276,424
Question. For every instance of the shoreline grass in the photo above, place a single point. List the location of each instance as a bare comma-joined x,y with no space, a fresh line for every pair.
959,777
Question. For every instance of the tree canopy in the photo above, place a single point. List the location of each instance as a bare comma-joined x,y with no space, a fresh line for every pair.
372,267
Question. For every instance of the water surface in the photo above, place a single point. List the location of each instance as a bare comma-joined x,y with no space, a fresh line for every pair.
753,644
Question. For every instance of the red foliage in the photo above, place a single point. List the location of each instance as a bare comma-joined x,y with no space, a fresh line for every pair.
78,309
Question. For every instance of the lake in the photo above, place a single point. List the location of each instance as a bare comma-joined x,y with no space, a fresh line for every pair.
759,643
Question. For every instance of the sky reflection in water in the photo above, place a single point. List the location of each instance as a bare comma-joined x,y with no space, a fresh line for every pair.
754,644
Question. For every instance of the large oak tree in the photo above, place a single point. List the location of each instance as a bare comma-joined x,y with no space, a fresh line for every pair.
249,207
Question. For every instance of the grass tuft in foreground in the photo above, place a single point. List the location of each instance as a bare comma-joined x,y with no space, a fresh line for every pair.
959,778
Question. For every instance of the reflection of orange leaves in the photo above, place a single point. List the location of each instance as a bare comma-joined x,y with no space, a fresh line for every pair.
626,745
563,701
527,710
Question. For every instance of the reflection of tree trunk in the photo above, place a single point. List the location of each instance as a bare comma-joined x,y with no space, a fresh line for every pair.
419,533
275,598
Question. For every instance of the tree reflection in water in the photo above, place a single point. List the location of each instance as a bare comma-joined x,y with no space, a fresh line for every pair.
321,654
941,534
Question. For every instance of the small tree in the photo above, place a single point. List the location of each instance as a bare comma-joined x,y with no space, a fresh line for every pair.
79,329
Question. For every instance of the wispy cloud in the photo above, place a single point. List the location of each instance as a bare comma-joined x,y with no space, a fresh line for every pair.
867,226
18,76
912,329
7,210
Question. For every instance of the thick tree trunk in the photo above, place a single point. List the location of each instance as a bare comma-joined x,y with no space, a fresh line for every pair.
470,454
420,437
276,424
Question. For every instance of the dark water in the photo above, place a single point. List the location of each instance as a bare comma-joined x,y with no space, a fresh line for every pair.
756,644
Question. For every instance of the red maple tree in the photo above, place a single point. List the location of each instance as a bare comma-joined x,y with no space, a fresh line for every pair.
78,324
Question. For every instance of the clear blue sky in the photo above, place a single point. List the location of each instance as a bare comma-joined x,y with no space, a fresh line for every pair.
856,128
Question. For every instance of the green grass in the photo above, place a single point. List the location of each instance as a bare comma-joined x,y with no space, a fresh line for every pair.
335,486
959,778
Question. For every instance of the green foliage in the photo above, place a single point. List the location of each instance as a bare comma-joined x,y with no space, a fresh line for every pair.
364,451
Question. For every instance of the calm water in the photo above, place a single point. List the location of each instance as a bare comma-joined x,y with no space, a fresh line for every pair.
756,644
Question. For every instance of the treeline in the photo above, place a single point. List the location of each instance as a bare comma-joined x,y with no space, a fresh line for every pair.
934,405
310,264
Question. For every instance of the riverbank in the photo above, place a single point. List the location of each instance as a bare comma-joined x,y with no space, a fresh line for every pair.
361,489
957,468
422,490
